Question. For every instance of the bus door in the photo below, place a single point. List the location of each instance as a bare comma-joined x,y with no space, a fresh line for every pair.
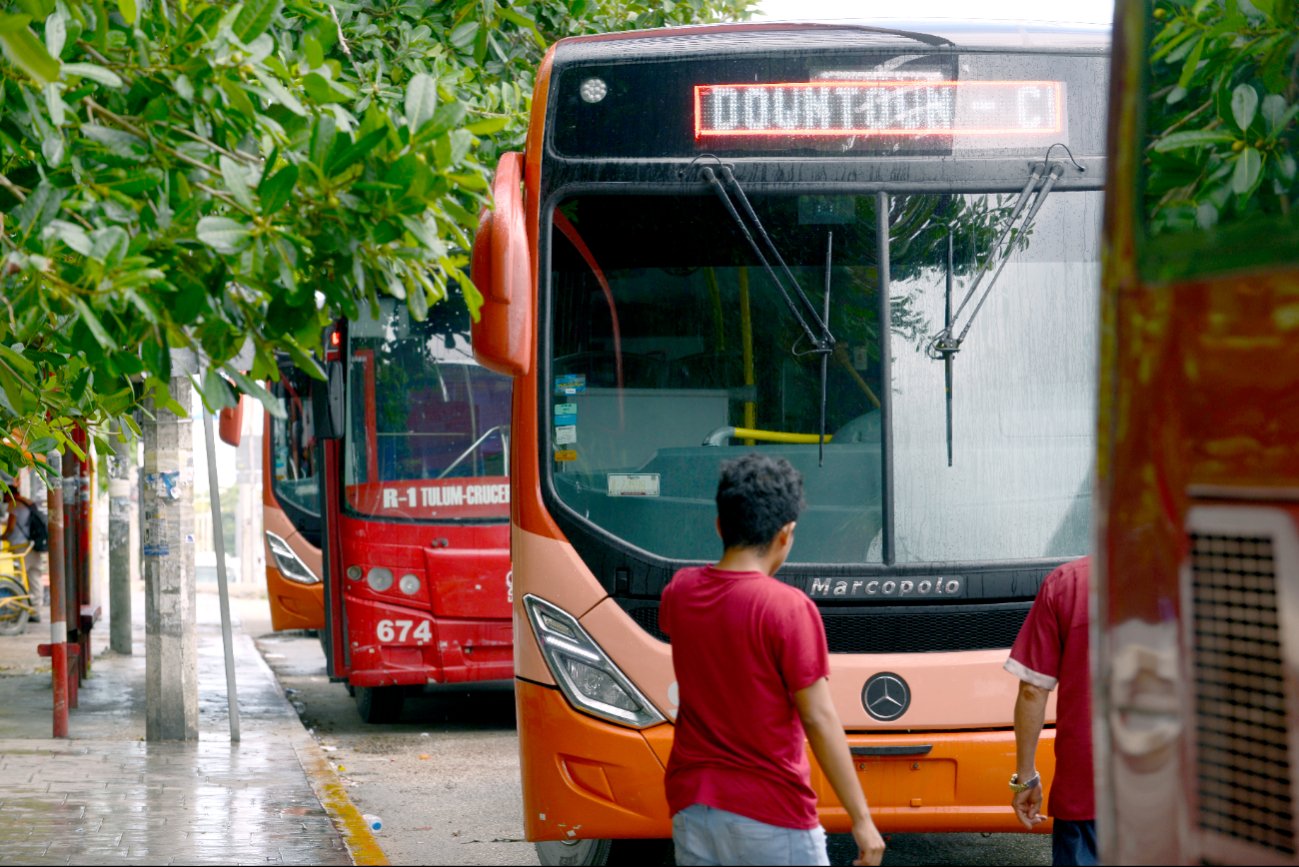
423,508
1196,637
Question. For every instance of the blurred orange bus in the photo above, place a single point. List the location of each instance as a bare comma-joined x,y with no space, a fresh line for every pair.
873,252
1196,636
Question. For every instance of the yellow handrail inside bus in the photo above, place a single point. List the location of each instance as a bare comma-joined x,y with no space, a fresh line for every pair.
719,436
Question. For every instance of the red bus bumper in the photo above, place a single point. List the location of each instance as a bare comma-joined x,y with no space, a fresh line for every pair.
395,646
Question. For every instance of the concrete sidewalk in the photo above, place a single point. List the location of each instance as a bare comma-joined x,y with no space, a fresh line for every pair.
105,796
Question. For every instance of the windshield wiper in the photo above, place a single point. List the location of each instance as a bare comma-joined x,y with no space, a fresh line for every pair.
820,337
802,309
947,343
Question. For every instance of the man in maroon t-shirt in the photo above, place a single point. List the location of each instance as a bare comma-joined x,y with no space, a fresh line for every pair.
1052,649
751,663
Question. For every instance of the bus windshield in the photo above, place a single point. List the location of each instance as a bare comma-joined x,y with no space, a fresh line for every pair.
672,349
427,428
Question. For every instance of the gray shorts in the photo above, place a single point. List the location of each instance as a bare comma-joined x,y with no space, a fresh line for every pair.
704,835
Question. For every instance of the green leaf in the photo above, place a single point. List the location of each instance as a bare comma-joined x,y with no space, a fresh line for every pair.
56,33
250,386
1244,104
109,245
303,360
235,175
1249,164
280,93
276,190
122,143
25,51
92,322
223,234
1192,139
94,73
421,100
488,126
254,18
1274,112
20,364
72,235
128,10
462,37
216,391
314,52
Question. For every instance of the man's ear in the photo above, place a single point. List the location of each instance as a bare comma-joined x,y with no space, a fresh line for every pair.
717,523
786,535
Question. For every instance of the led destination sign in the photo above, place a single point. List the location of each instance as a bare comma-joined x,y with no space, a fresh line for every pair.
841,109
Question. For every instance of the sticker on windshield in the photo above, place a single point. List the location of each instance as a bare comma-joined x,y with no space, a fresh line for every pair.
565,434
564,455
633,484
570,383
565,413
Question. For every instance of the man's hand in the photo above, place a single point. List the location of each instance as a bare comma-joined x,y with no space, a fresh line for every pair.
1028,806
870,844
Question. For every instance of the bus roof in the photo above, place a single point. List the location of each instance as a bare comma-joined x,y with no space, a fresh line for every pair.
957,33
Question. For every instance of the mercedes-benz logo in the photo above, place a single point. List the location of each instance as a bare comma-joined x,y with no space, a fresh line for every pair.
886,696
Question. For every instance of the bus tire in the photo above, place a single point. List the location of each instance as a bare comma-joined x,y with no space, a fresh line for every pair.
13,615
598,852
379,704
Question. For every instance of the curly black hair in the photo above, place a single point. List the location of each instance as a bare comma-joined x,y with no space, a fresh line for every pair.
756,496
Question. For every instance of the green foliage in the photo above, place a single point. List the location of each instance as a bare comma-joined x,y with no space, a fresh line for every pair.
216,176
1224,97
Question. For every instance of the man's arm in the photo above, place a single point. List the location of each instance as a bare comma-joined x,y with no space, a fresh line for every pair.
825,733
1030,715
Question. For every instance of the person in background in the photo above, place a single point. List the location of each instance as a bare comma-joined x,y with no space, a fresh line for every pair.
752,664
1051,650
18,533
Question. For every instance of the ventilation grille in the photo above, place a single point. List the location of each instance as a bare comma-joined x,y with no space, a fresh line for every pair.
1242,741
927,629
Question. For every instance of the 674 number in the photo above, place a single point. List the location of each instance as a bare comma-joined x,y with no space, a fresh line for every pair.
389,631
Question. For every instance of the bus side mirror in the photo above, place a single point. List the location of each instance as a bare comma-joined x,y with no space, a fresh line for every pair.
328,403
502,271
230,423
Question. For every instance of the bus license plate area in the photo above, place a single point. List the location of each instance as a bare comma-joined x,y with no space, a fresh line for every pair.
906,782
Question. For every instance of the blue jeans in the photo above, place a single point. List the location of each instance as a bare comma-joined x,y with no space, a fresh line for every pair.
704,835
1073,844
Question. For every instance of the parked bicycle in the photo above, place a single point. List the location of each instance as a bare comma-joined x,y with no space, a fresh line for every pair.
17,604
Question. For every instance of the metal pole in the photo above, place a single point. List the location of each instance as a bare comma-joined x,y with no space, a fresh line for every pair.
119,546
219,544
58,614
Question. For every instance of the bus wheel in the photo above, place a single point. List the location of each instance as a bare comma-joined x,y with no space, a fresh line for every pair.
379,704
596,852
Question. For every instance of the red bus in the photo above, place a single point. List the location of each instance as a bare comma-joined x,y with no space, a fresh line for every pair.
873,252
390,481
1196,639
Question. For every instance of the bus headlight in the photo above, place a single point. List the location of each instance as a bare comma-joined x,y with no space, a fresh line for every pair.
586,675
379,579
409,584
289,564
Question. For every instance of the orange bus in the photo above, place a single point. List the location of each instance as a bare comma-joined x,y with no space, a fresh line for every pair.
1196,637
873,252
291,517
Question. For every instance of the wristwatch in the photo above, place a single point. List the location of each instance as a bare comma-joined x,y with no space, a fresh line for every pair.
1016,786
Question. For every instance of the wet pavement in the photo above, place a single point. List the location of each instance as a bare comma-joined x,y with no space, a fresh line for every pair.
106,796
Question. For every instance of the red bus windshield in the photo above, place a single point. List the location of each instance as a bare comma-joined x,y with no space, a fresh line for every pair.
427,428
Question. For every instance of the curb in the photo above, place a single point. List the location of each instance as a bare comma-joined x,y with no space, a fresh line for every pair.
362,846
360,841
